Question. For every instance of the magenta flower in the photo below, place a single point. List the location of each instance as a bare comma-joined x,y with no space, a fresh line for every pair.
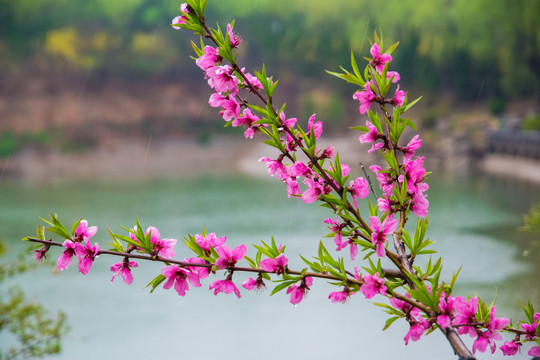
86,255
124,267
336,227
179,277
371,137
65,259
292,187
379,60
221,79
465,314
234,39
201,271
415,173
510,348
410,149
372,286
418,326
419,204
530,329
254,284
384,203
365,97
535,351
380,232
162,247
353,250
226,286
446,307
228,258
275,167
247,119
394,75
182,19
340,296
256,83
299,169
41,253
297,292
399,98
359,189
230,108
315,188
276,265
209,240
316,127
83,232
386,183
209,58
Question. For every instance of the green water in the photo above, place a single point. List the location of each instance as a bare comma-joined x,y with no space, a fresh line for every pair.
473,220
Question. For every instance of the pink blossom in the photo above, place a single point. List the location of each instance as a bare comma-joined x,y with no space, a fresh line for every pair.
315,188
371,137
336,228
216,99
510,348
228,258
162,247
419,204
83,232
41,253
365,97
380,232
221,79
340,296
418,326
353,250
182,19
86,255
289,124
209,240
446,307
465,314
384,203
247,119
410,149
297,292
65,259
253,80
535,351
379,60
209,58
230,108
124,267
234,39
276,265
292,187
298,169
386,183
359,189
394,74
179,277
372,286
399,98
530,329
316,127
201,271
415,173
275,167
226,286
328,152
254,284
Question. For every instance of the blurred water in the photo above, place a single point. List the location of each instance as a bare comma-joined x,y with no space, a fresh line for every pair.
473,220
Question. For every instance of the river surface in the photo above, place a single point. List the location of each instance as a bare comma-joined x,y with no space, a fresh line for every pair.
473,219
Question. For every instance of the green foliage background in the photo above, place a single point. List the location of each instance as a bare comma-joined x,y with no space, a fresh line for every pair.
469,47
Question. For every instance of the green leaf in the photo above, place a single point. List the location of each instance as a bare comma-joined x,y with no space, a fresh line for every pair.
283,285
156,282
390,322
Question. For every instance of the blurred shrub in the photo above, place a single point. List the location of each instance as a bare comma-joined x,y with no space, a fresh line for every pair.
8,144
531,122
